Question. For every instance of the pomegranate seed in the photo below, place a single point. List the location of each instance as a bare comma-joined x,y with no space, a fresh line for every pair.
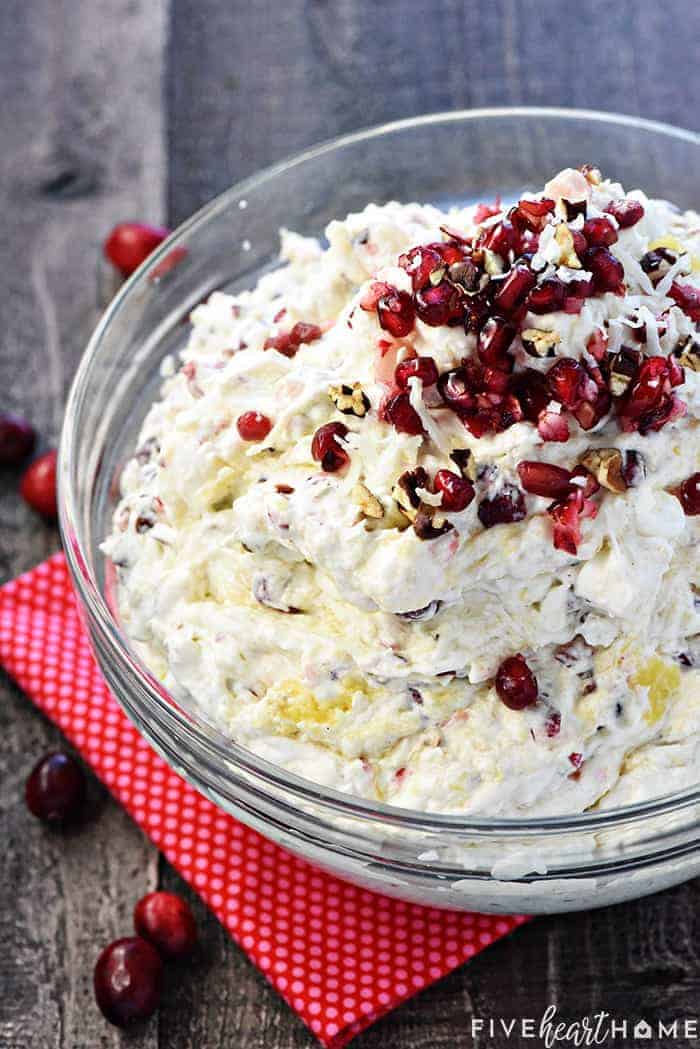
17,440
127,980
531,390
424,368
514,289
580,242
253,426
576,760
494,341
456,391
439,305
599,233
688,298
608,272
287,343
130,243
38,485
689,495
457,492
628,212
516,685
396,313
486,211
402,415
476,312
566,517
552,725
166,921
326,449
531,214
545,479
553,427
649,402
374,293
55,789
547,297
505,508
494,380
569,383
423,261
597,345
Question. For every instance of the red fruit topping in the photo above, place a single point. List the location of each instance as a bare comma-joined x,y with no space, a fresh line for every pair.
689,495
531,214
552,426
628,212
545,479
495,339
516,685
570,384
439,305
688,298
374,293
166,921
287,343
127,980
580,242
514,289
396,313
566,516
486,211
505,508
253,426
130,243
589,413
649,402
599,233
608,272
427,263
476,312
55,789
17,439
576,760
38,485
456,390
501,238
597,345
424,368
402,415
326,448
457,492
531,390
552,725
547,297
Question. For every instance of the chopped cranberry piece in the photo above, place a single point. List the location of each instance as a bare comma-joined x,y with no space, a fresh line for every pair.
402,415
17,439
456,391
505,508
552,426
326,448
439,305
166,921
513,291
495,339
545,479
424,368
38,485
628,212
516,685
55,789
608,272
457,492
547,297
127,980
253,426
599,233
287,343
130,243
689,495
688,298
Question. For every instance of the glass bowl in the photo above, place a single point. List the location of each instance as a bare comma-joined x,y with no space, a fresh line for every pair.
500,865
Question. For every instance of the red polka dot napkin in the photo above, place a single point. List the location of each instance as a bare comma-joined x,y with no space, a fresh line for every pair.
341,956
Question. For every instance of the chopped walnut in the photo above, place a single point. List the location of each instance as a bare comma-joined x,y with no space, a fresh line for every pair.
689,356
350,400
428,524
623,368
369,505
565,240
464,459
539,343
592,174
405,494
606,465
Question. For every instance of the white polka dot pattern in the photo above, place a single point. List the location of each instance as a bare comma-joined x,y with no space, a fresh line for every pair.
341,956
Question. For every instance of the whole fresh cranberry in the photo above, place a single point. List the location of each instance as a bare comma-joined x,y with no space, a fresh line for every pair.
130,243
127,980
516,685
253,426
55,789
166,921
38,485
17,439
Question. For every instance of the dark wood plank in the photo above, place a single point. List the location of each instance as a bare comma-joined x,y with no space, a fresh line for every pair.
82,147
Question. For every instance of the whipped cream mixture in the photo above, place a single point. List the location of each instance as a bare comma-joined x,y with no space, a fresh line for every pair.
417,517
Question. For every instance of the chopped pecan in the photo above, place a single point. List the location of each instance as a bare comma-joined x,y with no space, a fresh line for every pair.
350,400
464,459
405,494
539,343
429,525
592,174
606,465
689,355
369,504
565,240
623,368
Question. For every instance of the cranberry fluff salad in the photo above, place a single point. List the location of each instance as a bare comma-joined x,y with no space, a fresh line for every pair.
418,517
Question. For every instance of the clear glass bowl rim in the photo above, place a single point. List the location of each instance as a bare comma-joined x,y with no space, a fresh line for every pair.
215,745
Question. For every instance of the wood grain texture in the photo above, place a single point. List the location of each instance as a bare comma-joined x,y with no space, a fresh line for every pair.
82,125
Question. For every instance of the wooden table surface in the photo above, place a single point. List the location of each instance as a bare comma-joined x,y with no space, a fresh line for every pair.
112,109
